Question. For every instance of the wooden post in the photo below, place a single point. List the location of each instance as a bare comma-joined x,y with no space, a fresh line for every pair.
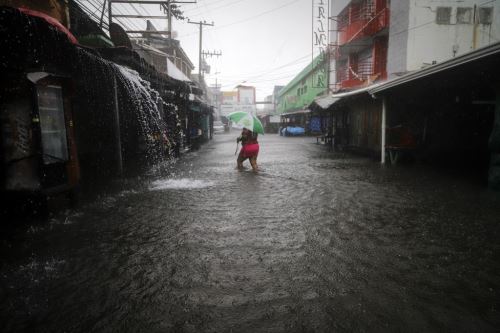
382,134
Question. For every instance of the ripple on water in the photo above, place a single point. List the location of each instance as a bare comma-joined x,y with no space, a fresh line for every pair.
180,184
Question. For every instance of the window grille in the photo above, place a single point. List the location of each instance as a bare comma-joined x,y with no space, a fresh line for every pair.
464,15
443,15
485,15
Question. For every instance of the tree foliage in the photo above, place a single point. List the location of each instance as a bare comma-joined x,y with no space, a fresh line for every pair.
176,12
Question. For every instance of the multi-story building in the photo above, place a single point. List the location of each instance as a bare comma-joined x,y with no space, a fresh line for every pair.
303,88
241,99
228,102
381,39
246,98
426,32
161,47
397,41
360,48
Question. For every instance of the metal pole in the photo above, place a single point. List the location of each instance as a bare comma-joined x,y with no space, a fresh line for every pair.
474,28
110,14
117,129
201,37
169,4
383,126
102,13
199,56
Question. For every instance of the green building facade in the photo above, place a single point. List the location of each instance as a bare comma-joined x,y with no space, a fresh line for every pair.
304,88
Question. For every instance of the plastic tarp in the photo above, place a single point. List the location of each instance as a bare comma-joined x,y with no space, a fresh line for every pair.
293,130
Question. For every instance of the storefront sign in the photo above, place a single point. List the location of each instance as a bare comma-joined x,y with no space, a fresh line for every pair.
320,14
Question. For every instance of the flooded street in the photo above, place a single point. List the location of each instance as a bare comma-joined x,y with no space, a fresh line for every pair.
315,242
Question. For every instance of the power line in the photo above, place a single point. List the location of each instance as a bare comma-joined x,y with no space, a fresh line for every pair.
223,6
258,15
250,18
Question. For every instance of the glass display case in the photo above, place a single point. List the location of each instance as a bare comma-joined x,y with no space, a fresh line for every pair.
52,124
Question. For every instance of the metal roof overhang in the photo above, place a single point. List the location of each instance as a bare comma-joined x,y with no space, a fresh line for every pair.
326,102
292,113
482,53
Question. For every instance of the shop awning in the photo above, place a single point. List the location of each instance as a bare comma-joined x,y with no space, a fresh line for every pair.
292,113
325,102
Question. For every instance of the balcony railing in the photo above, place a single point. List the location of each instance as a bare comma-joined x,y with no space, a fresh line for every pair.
363,22
348,78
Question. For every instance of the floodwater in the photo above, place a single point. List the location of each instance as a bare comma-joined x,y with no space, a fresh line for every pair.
316,242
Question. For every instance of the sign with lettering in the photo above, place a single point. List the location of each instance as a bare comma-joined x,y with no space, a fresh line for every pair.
320,12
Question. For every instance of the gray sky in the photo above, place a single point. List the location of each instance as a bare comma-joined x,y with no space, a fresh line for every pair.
263,42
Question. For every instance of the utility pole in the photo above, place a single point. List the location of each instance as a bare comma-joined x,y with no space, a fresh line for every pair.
201,24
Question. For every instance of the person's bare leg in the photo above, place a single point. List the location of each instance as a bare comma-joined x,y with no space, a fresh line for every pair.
253,162
239,162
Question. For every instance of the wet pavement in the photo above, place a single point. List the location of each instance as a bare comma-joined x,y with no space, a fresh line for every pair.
315,242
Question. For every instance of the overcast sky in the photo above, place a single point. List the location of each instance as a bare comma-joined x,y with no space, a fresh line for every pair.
263,42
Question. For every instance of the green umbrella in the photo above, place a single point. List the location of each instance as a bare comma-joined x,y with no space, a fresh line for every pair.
246,120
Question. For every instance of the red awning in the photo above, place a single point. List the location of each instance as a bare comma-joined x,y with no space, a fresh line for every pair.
52,21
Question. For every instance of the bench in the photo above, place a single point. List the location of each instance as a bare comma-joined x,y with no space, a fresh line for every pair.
327,139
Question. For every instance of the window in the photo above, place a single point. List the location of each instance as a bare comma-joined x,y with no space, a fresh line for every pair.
443,15
52,124
464,15
305,89
485,15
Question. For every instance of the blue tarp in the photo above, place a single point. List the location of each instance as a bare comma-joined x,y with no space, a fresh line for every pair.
315,124
292,130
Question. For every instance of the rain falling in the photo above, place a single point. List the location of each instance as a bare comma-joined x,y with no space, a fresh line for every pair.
249,166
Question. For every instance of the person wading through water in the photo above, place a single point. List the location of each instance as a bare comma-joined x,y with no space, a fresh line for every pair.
249,149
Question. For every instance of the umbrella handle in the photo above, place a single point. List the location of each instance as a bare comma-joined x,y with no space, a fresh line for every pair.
237,145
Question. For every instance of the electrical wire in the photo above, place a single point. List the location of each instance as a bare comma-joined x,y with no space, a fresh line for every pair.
223,6
248,18
258,15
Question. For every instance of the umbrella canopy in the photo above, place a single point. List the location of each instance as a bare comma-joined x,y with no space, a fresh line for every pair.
246,120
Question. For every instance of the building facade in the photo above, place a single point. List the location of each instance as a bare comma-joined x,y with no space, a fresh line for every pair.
304,88
240,99
360,48
451,27
377,40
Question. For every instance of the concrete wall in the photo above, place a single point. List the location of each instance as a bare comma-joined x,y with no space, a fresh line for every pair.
398,36
429,41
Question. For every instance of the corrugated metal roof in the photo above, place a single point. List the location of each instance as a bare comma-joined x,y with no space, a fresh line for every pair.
326,101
